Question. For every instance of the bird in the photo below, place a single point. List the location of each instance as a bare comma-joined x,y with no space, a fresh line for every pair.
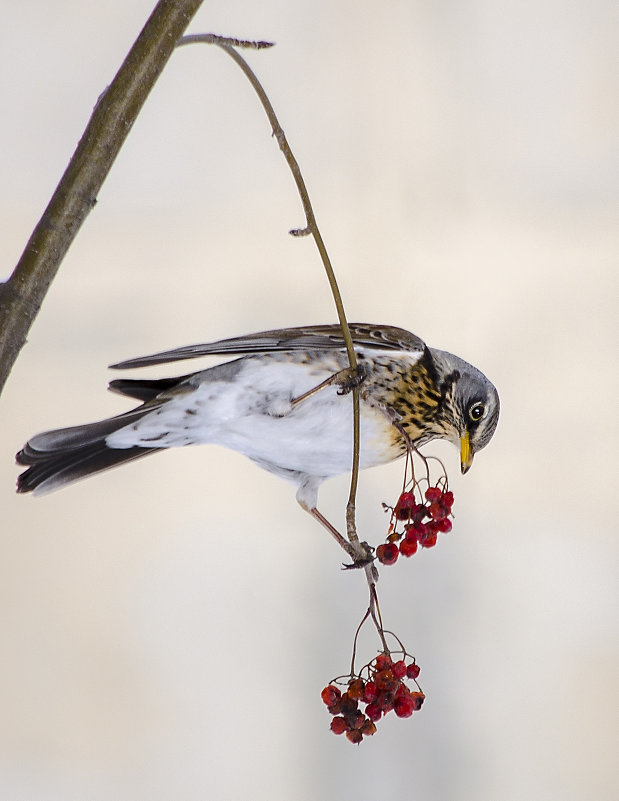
283,404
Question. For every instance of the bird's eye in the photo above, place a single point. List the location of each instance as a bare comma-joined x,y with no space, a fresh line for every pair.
476,412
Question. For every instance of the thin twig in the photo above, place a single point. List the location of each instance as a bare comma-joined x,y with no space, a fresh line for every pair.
312,227
229,41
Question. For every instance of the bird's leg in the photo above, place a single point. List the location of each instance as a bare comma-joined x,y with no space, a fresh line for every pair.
359,552
346,379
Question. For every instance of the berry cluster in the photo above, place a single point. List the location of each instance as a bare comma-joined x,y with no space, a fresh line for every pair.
416,532
382,691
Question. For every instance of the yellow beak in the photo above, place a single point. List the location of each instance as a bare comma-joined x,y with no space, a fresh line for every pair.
466,455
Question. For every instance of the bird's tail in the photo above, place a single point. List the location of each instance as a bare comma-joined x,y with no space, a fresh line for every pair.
60,457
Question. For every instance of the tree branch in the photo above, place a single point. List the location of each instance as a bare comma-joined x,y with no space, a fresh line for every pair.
23,293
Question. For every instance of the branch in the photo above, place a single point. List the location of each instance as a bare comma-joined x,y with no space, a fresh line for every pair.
311,228
23,293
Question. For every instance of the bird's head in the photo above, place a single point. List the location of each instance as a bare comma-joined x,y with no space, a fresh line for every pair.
470,405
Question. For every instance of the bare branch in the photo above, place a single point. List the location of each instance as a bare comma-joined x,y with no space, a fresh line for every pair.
23,293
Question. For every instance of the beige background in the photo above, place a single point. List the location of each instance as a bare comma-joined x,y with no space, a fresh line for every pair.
165,629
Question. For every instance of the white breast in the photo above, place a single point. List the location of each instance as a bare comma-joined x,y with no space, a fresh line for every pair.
252,414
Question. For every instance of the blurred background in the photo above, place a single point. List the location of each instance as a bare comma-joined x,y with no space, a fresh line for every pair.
166,628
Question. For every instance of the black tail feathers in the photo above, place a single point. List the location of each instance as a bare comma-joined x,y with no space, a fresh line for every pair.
57,458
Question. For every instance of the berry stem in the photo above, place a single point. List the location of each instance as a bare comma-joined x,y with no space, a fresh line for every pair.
374,610
354,644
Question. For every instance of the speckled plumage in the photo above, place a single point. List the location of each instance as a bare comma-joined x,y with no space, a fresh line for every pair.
264,406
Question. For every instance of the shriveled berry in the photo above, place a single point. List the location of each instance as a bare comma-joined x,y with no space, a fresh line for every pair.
339,725
385,698
384,679
368,728
387,553
355,736
408,547
356,689
418,699
348,704
331,694
355,719
413,670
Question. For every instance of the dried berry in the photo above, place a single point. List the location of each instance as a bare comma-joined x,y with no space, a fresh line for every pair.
339,725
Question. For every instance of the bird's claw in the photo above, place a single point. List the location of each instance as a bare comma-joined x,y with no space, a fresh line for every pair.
349,379
361,554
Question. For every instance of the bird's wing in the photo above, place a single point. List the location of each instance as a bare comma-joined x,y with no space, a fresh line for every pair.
311,337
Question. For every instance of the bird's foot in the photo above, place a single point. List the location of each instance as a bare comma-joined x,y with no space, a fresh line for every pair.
350,378
346,380
361,554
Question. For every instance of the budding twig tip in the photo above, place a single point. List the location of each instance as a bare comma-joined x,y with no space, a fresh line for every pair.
224,41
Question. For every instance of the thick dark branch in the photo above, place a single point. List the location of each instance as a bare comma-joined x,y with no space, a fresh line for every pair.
116,111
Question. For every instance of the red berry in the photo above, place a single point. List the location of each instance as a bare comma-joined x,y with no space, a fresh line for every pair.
411,532
433,494
404,506
413,670
447,499
416,512
399,669
371,691
385,700
408,547
387,553
428,540
330,695
415,531
373,711
438,511
443,525
339,725
404,706
382,662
